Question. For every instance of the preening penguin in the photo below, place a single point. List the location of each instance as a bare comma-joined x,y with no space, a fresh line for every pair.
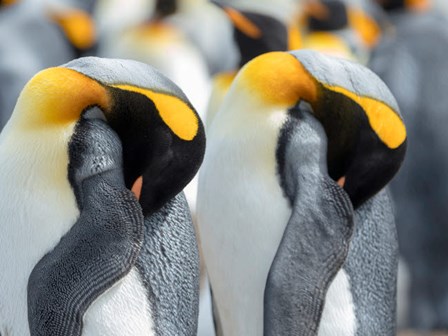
252,186
80,255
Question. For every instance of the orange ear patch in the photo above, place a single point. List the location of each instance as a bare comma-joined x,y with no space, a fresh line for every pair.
77,25
417,5
243,23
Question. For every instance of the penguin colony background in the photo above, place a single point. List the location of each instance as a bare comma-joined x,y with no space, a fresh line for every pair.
194,167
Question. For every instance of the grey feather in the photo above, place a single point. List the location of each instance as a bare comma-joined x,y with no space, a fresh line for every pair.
371,265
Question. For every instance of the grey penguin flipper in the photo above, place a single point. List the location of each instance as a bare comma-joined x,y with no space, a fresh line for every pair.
168,264
102,245
316,239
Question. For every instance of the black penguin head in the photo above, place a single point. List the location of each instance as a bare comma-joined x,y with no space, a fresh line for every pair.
256,33
161,134
332,16
164,8
392,5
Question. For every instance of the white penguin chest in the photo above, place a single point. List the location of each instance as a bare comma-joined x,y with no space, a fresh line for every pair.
33,217
242,215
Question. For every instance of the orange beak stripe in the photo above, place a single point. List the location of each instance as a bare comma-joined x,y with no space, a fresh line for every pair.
137,187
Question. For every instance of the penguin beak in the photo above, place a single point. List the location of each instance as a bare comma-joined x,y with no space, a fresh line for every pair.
137,187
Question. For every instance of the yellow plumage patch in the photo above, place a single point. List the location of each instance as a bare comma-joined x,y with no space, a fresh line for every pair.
365,26
328,43
418,5
279,79
175,113
57,96
243,23
78,26
295,39
384,121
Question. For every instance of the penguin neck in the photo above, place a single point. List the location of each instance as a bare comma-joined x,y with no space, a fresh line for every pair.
40,156
241,111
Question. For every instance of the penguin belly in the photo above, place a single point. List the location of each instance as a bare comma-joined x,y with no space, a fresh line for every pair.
338,316
242,214
122,310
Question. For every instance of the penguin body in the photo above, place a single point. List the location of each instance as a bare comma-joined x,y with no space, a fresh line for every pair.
246,201
417,78
85,251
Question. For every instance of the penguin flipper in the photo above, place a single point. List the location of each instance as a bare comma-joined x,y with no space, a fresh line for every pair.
102,245
314,245
168,264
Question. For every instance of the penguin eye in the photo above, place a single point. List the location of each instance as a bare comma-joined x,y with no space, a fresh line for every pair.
93,112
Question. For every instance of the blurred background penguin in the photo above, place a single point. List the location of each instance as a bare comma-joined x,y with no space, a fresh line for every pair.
411,59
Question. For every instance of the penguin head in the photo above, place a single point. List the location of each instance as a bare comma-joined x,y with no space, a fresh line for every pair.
160,132
6,3
164,8
255,33
331,16
413,5
366,134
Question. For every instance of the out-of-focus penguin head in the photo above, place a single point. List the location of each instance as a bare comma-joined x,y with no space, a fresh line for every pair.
255,33
161,134
332,16
414,5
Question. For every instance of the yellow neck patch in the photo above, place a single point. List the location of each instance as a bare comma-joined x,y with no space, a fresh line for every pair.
175,113
418,5
242,23
279,79
78,26
328,43
384,121
9,2
295,39
57,96
158,31
223,80
365,26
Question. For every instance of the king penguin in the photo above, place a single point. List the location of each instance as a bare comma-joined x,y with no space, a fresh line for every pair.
252,186
79,253
253,34
411,60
